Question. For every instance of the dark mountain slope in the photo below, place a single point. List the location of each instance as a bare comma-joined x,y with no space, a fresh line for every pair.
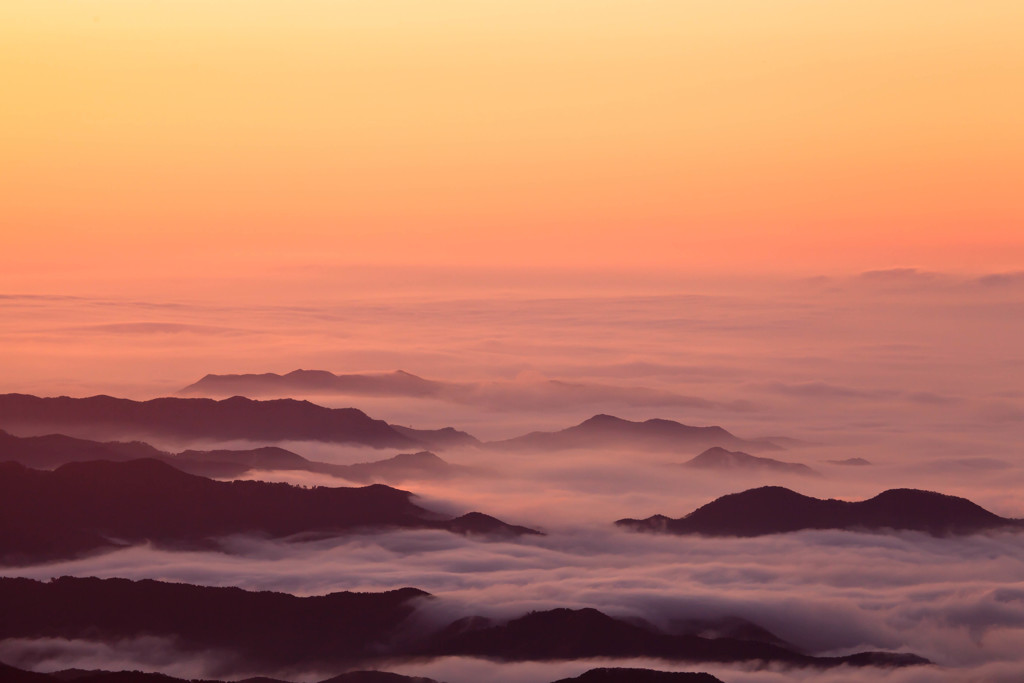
273,629
604,431
77,507
9,674
639,676
773,509
53,450
562,634
276,629
376,677
446,437
422,465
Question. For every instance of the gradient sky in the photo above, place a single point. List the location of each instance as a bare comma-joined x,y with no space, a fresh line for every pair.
178,137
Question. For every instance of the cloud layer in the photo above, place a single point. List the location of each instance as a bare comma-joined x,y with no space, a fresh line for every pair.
918,373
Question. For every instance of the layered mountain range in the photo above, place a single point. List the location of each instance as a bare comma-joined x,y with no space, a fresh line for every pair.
88,506
10,674
65,496
534,393
191,419
355,629
52,450
206,419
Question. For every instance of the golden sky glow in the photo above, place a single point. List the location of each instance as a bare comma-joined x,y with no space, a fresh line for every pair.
805,135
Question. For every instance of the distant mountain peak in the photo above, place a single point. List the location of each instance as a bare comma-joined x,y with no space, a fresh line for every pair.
855,462
420,458
479,523
603,418
717,457
603,431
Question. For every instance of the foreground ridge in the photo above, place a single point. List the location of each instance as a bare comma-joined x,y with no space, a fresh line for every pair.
358,629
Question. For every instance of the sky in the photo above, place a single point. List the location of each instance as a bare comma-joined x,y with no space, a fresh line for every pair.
154,139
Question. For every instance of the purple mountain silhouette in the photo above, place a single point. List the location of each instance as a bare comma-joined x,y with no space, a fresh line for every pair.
602,431
203,418
278,629
54,450
718,458
299,382
773,510
81,506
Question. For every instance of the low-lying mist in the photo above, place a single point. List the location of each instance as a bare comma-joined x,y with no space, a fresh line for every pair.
956,601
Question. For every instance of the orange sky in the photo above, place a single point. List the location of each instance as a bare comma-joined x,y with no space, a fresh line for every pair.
158,137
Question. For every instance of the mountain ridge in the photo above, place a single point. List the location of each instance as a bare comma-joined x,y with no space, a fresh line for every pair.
80,506
774,509
279,629
228,419
53,450
718,458
603,430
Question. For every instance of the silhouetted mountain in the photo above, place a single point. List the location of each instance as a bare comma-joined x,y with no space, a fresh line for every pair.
534,394
53,450
376,677
276,629
203,418
479,523
307,382
9,674
446,437
856,462
232,463
80,506
717,458
104,676
773,509
639,676
422,465
727,627
264,458
603,431
125,677
271,629
47,452
562,634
